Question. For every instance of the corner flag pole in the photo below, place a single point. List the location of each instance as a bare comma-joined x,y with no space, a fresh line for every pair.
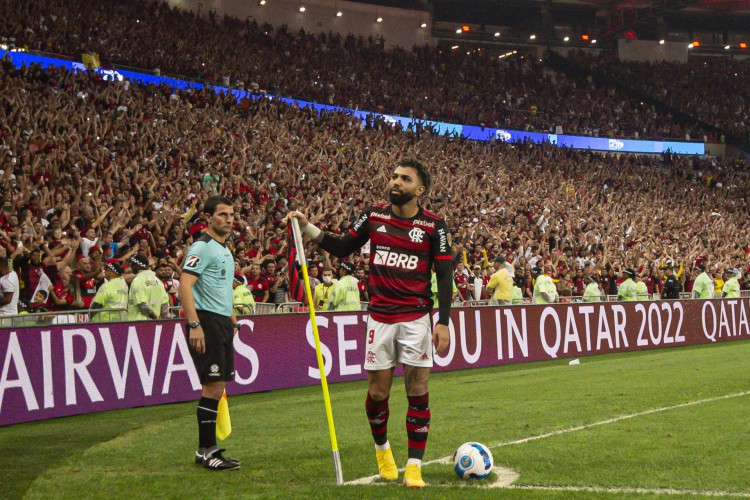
321,364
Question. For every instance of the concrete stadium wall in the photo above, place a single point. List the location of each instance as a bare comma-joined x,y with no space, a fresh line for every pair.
650,51
56,371
400,27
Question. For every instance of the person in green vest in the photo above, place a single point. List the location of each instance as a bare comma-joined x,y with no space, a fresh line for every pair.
147,298
517,293
703,286
731,288
111,295
593,292
628,290
545,291
434,288
641,289
242,298
345,296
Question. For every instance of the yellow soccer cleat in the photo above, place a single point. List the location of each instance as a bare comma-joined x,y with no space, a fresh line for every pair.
386,465
413,477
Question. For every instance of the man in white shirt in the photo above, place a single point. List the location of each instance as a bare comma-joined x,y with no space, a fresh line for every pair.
9,289
476,283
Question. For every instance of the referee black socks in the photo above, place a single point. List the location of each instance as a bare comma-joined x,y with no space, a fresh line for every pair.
206,413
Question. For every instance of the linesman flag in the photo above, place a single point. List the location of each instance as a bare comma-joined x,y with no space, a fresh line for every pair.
296,283
223,422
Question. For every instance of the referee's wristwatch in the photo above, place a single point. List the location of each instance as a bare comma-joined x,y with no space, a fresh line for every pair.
193,324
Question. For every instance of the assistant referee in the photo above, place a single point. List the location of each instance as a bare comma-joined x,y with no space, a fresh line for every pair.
206,295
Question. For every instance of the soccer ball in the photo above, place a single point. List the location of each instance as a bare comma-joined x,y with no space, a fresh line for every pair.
472,460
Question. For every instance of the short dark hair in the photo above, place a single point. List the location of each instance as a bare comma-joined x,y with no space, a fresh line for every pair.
214,201
422,172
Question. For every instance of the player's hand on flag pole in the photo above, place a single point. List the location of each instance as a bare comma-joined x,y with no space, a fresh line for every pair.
440,338
302,218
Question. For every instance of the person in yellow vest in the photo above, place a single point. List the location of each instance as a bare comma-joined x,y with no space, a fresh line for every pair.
545,291
703,286
147,298
345,295
628,290
243,301
322,293
111,295
593,292
500,284
731,288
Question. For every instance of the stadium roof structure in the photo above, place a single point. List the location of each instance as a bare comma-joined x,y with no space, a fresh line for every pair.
644,19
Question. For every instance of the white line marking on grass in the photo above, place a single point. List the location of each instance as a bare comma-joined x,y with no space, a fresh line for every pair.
504,473
642,491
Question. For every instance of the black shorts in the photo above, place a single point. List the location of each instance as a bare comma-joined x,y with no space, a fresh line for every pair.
217,363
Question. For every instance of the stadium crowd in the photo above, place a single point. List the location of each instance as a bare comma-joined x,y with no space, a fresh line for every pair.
711,89
97,173
431,83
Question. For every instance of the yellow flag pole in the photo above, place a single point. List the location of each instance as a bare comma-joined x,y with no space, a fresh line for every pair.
321,364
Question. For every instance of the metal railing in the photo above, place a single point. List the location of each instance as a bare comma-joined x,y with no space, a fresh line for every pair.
72,317
82,316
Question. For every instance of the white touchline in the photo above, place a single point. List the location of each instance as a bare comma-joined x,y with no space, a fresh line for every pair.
447,460
637,491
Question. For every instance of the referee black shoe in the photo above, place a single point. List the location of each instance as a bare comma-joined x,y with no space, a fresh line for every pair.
216,461
199,458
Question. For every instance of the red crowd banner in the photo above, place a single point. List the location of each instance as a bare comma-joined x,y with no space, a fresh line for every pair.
62,370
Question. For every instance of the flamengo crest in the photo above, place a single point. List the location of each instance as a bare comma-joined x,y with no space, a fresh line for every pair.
416,235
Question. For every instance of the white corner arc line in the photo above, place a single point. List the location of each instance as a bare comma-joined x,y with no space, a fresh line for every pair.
446,460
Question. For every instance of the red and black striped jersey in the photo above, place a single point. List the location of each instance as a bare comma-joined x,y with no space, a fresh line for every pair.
401,255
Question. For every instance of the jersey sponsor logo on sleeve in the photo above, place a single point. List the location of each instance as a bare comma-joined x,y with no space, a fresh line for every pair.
362,219
443,240
192,262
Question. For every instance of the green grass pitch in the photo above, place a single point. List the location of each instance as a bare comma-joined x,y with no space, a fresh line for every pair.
608,444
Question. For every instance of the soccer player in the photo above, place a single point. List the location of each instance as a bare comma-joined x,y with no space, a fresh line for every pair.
206,294
405,241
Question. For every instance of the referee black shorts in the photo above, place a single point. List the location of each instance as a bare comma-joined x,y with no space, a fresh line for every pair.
217,363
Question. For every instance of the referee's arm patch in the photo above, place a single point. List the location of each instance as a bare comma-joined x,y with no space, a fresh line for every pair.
192,262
